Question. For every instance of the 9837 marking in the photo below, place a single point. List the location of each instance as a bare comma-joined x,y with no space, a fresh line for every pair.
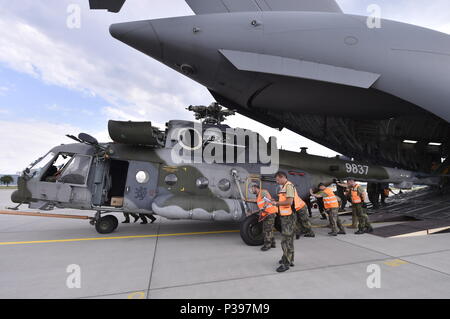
357,169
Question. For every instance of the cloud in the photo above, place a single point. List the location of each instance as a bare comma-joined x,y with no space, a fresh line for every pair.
4,90
130,83
23,142
444,28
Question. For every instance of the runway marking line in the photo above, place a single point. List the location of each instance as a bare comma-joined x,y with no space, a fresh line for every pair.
117,237
137,295
395,262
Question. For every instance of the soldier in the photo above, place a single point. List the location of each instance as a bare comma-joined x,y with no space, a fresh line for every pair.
357,197
268,213
340,192
384,192
373,191
347,195
286,197
302,225
331,203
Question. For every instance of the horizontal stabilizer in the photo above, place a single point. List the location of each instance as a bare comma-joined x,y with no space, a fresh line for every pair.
110,5
224,6
254,62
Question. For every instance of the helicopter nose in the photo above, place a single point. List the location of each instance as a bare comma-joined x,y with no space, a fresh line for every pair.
140,35
15,197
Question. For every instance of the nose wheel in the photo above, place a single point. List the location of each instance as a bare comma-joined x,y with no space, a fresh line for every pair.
106,224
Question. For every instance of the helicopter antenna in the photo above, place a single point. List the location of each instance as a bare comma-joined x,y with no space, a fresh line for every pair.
213,114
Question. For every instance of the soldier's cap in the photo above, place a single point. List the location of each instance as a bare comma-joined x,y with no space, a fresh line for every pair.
254,185
320,184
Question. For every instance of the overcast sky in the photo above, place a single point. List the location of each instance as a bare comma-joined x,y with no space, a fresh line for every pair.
55,80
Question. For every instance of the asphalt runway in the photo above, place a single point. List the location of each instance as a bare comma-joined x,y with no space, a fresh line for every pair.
192,259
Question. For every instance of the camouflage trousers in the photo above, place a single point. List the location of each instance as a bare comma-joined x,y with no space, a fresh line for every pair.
363,219
354,217
287,238
335,221
268,224
302,224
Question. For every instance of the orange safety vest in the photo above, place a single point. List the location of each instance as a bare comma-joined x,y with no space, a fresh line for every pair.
286,210
356,199
331,200
266,207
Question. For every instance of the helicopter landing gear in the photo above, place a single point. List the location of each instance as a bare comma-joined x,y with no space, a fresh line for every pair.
106,224
251,231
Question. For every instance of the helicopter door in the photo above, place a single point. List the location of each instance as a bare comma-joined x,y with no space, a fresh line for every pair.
141,186
98,192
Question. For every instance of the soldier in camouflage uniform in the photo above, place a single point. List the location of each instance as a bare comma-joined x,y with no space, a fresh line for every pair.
303,225
288,219
332,203
357,197
268,213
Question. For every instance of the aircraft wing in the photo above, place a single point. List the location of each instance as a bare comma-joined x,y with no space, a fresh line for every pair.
110,5
223,6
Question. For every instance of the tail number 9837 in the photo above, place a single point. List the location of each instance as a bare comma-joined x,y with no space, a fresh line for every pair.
357,169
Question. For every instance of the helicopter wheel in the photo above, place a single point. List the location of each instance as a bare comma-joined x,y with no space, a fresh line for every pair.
252,231
106,224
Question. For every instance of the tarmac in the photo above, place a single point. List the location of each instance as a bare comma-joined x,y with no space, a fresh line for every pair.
193,259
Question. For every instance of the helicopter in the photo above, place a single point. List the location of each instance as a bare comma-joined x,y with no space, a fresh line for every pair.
199,170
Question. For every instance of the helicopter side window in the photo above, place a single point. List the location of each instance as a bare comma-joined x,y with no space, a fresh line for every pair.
76,171
53,172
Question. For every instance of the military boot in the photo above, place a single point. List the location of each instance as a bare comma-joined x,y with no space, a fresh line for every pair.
311,235
282,268
333,233
265,248
369,229
273,245
281,262
126,221
342,232
359,232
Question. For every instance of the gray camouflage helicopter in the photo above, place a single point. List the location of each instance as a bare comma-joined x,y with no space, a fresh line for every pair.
192,170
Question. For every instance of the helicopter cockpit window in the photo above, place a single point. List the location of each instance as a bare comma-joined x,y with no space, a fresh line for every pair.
53,172
36,168
76,171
